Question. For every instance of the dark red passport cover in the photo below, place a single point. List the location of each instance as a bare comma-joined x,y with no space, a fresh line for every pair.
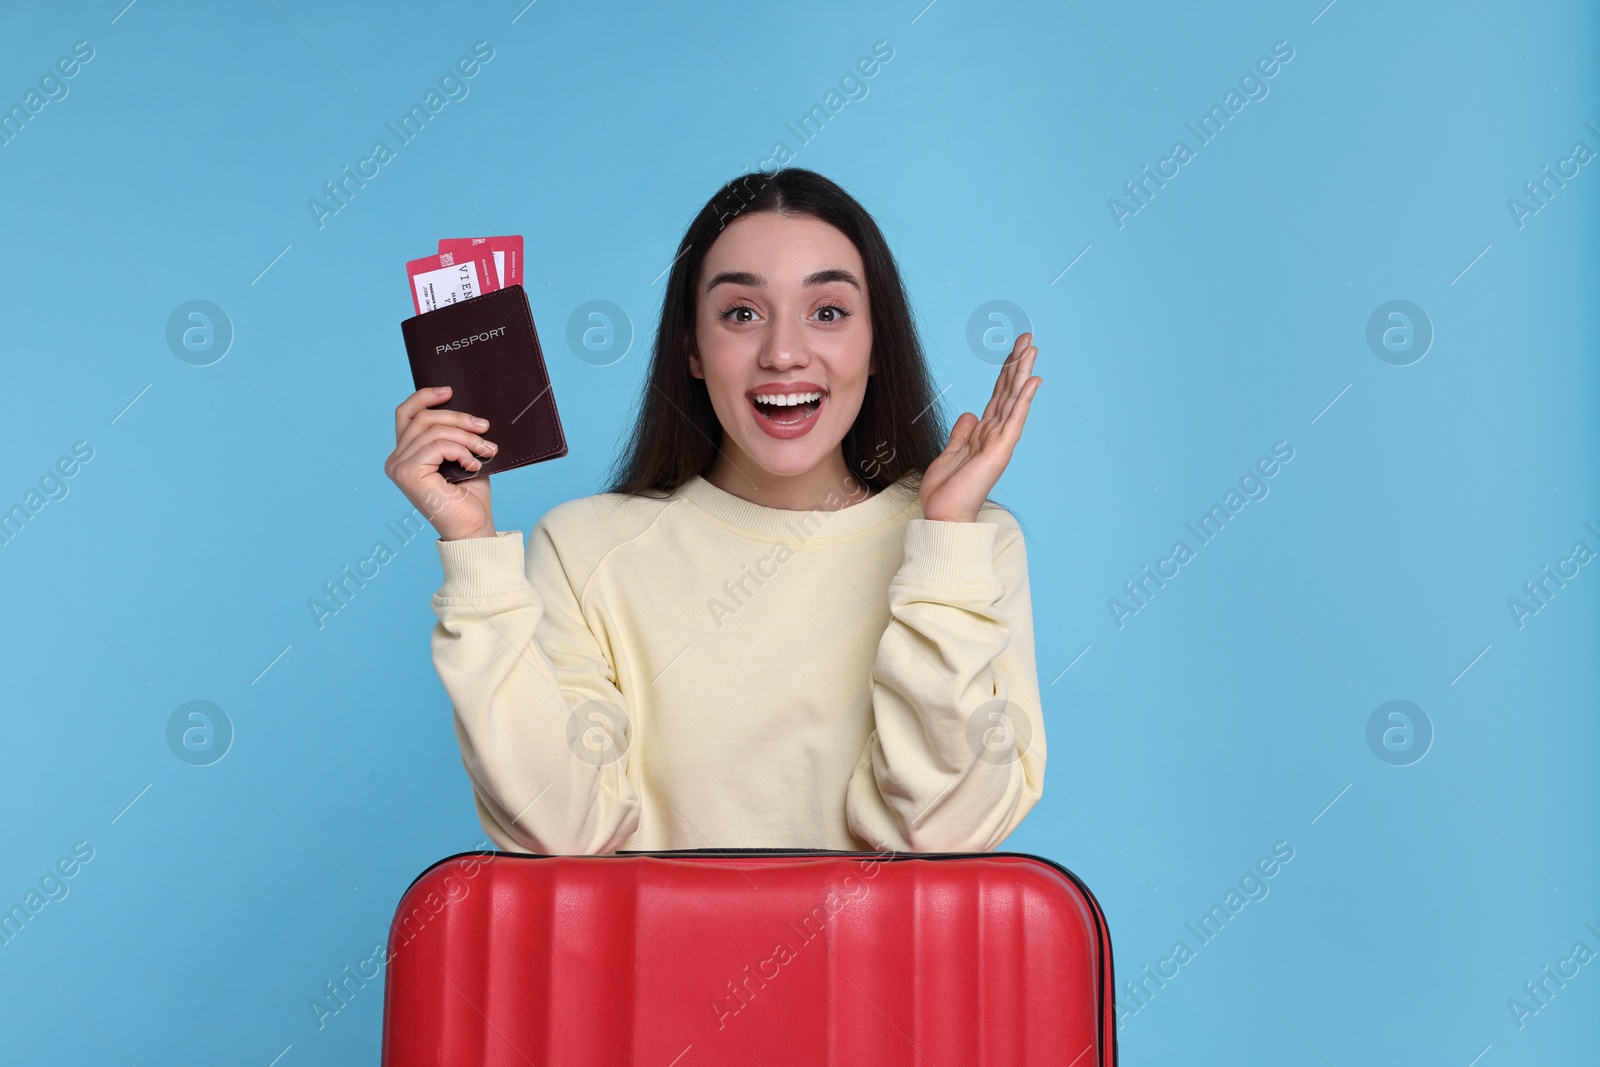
487,351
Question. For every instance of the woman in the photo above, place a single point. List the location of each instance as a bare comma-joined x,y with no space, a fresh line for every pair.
794,620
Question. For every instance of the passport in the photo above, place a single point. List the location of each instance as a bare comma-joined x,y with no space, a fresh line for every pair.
487,350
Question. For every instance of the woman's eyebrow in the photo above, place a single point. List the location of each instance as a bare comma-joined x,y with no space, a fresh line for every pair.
750,278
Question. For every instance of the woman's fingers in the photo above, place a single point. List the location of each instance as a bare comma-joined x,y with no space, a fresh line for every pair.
1024,370
1017,366
1012,428
1019,352
1002,381
430,452
426,438
414,404
424,426
472,441
1014,377
1009,386
1002,385
426,422
963,430
418,410
960,433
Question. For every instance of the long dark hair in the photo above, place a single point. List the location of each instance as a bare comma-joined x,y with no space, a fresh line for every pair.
901,427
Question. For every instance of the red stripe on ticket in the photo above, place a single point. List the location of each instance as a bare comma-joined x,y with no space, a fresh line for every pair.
507,251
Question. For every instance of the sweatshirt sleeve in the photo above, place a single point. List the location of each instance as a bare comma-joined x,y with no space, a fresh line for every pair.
957,755
543,728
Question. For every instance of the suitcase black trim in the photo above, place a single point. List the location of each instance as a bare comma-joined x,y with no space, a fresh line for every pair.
1108,991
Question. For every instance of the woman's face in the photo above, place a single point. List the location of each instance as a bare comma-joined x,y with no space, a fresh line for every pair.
781,308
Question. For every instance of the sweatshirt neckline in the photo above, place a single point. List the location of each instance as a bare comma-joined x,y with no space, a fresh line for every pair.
820,525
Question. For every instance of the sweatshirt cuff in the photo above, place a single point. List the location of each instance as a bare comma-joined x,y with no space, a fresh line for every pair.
950,552
483,566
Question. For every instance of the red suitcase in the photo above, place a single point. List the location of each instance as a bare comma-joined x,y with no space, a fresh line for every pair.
692,957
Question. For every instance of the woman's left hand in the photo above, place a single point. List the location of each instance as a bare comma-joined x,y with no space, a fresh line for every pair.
955,485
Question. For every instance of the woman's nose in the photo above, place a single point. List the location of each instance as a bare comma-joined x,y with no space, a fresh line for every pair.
784,344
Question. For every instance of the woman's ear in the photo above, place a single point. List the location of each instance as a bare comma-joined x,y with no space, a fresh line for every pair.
695,369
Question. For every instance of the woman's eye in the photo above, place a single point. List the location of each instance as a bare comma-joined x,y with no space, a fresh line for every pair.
831,312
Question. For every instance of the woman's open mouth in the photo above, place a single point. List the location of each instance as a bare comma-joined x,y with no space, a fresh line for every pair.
787,416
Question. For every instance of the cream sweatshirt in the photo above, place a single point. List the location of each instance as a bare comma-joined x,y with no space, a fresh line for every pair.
703,672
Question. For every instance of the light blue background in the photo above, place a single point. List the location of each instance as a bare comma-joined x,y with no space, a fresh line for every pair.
1225,316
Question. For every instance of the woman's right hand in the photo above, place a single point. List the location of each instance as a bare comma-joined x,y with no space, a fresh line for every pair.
425,438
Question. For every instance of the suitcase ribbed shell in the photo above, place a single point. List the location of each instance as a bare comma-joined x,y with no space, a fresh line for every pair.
748,956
